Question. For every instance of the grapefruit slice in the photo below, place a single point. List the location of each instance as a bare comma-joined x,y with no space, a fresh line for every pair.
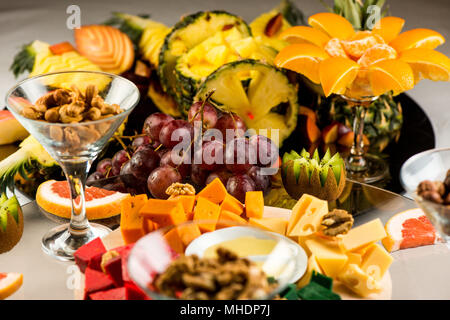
54,197
10,282
409,229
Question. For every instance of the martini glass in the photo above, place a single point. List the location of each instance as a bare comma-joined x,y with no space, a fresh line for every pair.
73,145
361,166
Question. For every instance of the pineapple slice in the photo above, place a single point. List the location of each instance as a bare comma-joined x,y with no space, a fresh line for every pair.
267,100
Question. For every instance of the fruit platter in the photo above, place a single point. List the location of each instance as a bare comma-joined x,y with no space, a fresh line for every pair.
218,158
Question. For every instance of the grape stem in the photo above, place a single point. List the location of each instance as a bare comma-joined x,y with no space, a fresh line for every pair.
123,146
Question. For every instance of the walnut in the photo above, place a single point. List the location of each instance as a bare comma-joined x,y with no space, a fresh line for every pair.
56,133
337,222
177,188
60,97
91,92
431,190
30,113
71,137
52,115
66,118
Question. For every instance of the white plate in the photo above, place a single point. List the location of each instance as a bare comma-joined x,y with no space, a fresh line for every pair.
295,270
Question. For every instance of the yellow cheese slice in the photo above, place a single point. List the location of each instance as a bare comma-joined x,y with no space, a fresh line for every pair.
298,210
376,262
363,235
311,219
328,254
277,225
313,265
358,281
354,258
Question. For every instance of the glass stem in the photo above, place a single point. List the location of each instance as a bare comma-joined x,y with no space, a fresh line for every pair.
76,173
356,160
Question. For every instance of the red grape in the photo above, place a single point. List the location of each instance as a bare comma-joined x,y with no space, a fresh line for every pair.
154,123
94,177
237,156
104,167
239,184
184,133
211,155
172,159
223,175
198,175
265,151
126,174
143,162
160,179
233,122
140,141
262,182
209,114
117,161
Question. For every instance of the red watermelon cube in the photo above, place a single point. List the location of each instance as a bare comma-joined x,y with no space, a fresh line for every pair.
114,269
85,253
135,293
96,281
112,294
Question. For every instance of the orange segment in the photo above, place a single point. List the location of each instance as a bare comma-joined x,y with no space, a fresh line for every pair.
417,38
388,28
427,64
10,282
334,48
387,75
302,34
336,74
360,43
332,24
303,58
377,53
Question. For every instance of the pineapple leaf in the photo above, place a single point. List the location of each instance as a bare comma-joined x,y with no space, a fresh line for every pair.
23,60
291,13
131,25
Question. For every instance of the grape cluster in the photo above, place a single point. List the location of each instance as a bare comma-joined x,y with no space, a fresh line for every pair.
154,163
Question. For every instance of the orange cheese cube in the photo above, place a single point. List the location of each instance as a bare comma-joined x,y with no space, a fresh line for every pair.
163,212
130,220
148,225
187,202
215,191
187,233
254,204
174,241
206,210
232,204
228,219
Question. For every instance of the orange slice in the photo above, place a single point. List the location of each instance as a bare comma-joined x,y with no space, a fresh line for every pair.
417,38
387,75
336,74
377,53
54,197
334,48
302,34
388,28
360,43
332,24
409,229
303,58
10,282
427,64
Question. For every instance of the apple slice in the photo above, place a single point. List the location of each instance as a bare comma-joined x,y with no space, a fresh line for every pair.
106,46
347,140
10,129
330,133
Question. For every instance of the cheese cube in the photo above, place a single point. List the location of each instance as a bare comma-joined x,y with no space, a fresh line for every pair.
376,262
277,225
329,255
363,235
298,210
358,281
354,258
309,222
313,265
